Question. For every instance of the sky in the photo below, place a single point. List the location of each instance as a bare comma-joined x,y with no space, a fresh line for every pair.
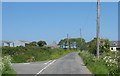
59,0
52,21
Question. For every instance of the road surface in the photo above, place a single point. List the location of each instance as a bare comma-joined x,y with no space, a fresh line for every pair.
69,64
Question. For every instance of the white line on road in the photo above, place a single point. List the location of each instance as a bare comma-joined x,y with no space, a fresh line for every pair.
48,62
26,63
45,67
20,63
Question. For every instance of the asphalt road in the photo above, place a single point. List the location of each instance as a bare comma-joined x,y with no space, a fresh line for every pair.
69,64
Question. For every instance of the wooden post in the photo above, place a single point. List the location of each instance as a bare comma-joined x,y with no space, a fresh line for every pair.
98,27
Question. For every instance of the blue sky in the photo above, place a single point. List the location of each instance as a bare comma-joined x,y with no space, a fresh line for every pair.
53,21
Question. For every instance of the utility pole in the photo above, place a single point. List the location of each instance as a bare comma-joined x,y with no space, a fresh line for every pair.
81,39
68,40
81,34
98,27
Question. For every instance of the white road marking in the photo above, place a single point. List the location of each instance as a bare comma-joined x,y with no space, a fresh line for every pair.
45,67
48,62
19,63
26,63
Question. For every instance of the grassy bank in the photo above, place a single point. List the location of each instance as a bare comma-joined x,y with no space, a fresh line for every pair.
33,53
107,64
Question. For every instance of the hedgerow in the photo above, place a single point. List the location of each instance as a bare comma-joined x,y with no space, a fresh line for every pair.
107,63
33,53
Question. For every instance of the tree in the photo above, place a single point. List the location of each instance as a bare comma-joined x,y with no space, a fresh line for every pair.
91,46
104,46
80,43
61,43
72,43
31,44
41,43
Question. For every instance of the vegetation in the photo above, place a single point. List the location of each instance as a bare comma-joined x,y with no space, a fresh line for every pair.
41,43
90,60
34,43
5,66
33,53
104,46
107,63
72,43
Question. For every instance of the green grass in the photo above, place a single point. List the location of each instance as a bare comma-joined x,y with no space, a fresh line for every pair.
96,66
9,72
100,67
33,53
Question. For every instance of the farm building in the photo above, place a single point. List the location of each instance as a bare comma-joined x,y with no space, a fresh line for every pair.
14,43
115,45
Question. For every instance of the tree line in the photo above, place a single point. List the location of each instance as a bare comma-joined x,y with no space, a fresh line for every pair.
72,43
81,44
34,43
78,44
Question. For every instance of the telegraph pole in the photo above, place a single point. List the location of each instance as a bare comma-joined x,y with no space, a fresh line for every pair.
68,40
80,34
98,27
81,39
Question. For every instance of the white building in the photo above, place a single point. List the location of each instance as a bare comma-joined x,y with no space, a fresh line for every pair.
14,43
115,46
20,43
6,43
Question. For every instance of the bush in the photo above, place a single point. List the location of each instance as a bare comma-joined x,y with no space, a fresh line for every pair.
90,60
5,66
33,53
111,61
1,65
104,46
107,64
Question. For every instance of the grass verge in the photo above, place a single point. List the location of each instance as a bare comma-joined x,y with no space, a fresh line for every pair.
103,66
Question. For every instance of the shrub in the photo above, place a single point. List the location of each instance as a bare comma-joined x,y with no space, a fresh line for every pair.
107,64
5,66
104,46
1,65
90,60
111,61
33,53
